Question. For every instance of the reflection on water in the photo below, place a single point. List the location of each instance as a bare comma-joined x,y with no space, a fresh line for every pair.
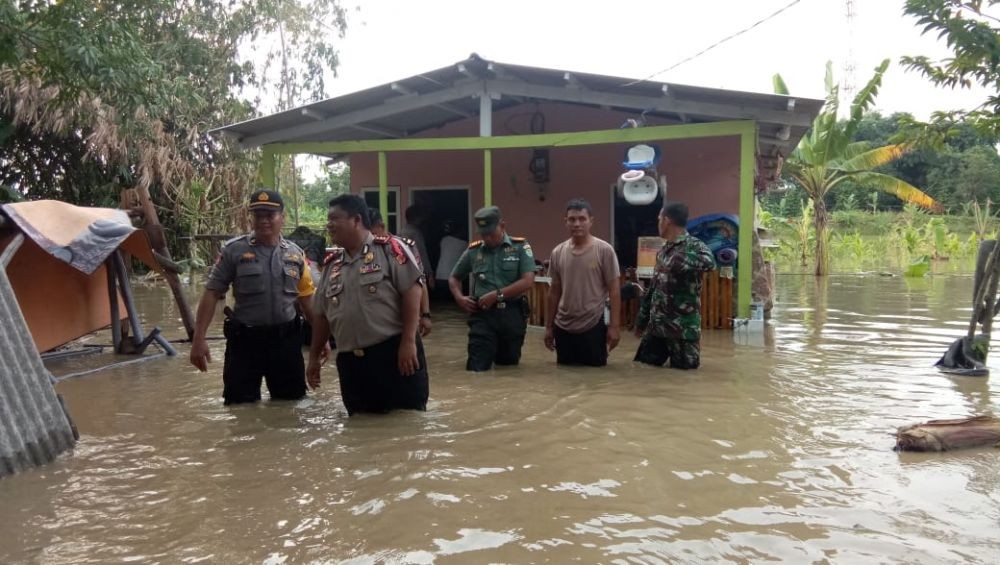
776,450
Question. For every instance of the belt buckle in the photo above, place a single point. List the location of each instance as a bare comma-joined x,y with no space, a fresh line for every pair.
501,305
358,352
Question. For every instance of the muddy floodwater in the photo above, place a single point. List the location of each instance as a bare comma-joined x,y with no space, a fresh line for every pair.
778,449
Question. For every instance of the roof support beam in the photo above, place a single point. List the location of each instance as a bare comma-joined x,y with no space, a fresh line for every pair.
389,108
396,134
485,116
660,104
314,114
446,107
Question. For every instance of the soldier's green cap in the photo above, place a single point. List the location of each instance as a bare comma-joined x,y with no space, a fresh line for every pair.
487,219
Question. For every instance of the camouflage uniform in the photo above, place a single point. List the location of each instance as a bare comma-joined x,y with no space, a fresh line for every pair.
670,314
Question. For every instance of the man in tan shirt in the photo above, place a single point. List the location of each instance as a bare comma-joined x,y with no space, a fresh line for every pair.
584,271
369,297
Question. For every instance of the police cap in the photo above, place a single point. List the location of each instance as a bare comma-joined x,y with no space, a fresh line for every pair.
266,200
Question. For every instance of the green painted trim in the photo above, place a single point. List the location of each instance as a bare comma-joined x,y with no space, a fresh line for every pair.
744,259
487,177
569,139
266,171
383,188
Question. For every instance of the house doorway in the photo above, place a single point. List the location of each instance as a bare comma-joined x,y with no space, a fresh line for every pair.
441,204
631,222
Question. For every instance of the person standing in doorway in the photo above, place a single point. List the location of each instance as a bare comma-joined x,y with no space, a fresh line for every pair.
669,320
414,230
369,298
263,332
503,271
584,272
451,248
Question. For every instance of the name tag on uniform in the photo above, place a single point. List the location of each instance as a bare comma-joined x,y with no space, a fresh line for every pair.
370,268
512,258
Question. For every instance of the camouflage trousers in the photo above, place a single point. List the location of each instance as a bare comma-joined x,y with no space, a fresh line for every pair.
682,354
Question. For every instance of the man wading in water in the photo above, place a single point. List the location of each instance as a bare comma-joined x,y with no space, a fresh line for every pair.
584,271
669,321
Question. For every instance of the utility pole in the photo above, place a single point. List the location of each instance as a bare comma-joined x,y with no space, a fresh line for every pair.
847,86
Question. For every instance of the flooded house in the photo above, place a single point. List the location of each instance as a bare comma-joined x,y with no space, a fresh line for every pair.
528,139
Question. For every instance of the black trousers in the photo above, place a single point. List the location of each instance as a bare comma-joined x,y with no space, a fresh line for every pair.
273,353
370,380
496,336
589,347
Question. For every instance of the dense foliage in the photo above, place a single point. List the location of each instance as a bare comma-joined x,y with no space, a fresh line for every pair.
97,96
830,155
970,30
963,168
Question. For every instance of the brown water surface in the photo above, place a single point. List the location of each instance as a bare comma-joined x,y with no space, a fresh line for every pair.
778,448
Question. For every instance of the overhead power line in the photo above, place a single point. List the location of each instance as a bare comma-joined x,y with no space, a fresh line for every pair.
716,44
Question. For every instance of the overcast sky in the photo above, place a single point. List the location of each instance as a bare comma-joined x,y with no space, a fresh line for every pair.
392,39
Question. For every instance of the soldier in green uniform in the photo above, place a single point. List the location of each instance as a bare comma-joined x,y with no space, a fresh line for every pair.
669,320
269,275
503,270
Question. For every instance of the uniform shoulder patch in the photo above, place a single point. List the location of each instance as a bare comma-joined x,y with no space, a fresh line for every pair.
518,239
333,254
407,241
382,239
475,244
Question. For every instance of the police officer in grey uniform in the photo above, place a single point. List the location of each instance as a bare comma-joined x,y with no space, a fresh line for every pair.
263,331
503,271
369,297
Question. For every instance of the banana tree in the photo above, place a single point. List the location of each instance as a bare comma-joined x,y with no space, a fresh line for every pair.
827,156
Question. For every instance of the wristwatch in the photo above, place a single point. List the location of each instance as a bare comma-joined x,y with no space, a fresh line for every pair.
499,296
425,315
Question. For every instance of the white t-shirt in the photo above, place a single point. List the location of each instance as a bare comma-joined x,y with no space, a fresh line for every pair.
451,249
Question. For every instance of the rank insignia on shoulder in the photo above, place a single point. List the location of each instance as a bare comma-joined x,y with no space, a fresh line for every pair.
407,240
333,254
397,250
475,244
382,239
518,239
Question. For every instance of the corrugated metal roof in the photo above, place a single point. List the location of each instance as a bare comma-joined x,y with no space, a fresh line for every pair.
33,427
429,100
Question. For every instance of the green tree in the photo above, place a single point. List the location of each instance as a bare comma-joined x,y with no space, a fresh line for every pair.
974,38
100,96
828,156
978,175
